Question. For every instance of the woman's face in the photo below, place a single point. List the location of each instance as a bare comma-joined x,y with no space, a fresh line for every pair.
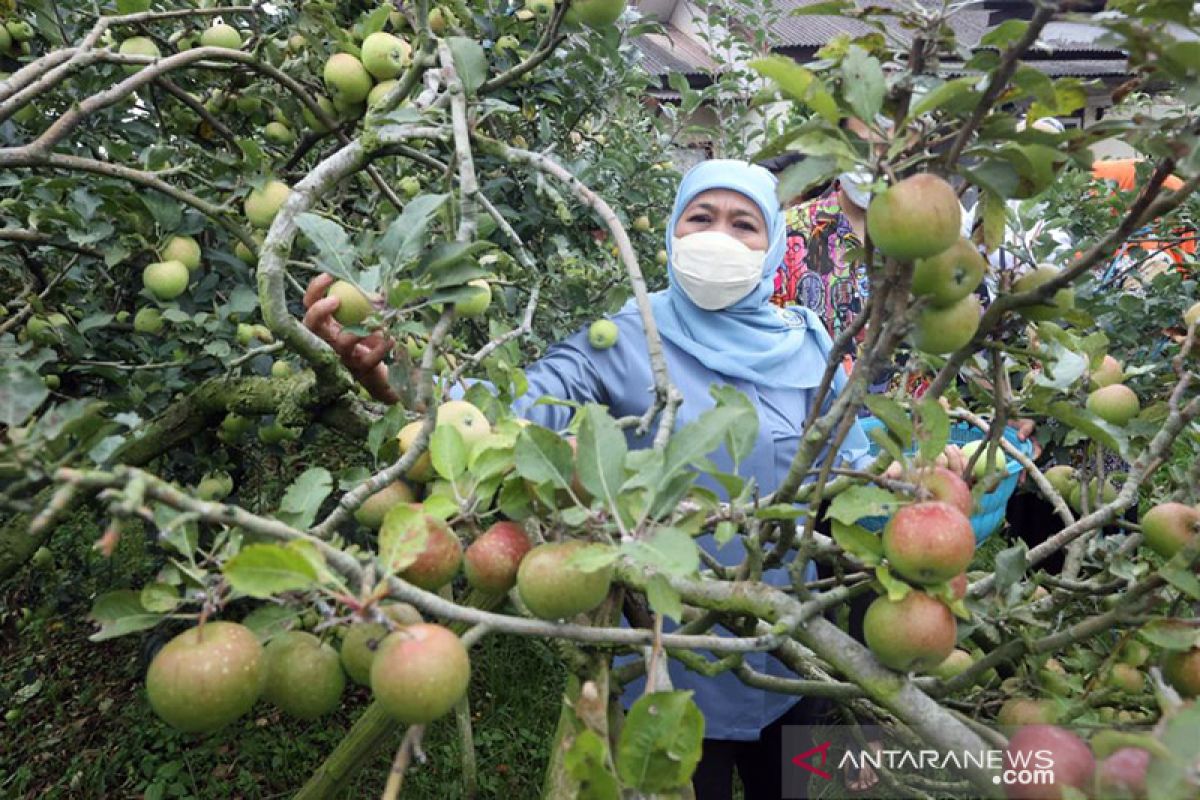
725,211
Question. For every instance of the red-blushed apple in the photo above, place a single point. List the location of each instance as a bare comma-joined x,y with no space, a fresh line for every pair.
1182,671
1109,372
492,560
913,634
958,586
1047,747
1019,711
1167,527
917,217
1123,775
1115,403
929,542
362,640
420,673
206,677
554,589
947,486
441,556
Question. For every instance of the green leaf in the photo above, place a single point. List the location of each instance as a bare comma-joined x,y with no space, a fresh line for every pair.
303,498
384,429
833,8
698,439
448,452
22,391
895,589
1174,778
804,175
660,742
862,501
335,253
119,613
1010,566
1090,425
469,61
267,622
780,511
863,83
934,428
402,537
1035,83
402,241
799,84
600,455
1004,34
586,761
265,570
1178,573
159,598
724,531
741,436
892,414
669,551
858,542
593,557
663,598
995,218
542,456
1171,634
951,93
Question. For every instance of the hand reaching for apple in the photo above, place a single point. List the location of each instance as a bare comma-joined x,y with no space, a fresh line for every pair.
952,458
362,355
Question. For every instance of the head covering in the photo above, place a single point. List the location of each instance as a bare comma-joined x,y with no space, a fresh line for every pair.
752,339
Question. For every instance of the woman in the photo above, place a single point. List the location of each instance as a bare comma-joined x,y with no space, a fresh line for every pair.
725,241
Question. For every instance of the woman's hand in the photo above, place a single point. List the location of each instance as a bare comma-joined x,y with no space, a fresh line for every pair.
362,355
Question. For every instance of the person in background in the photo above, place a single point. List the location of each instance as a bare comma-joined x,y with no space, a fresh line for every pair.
724,242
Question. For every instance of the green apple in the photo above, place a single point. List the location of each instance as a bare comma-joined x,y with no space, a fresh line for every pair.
278,133
642,224
999,462
52,382
507,42
602,334
542,9
19,30
245,334
595,14
221,35
379,91
166,280
477,302
354,307
384,55
440,18
1063,300
148,320
6,43
950,275
281,369
263,204
410,185
346,79
310,119
183,249
138,46
1116,403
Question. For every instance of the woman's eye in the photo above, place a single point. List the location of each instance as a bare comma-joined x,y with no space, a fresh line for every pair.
746,226
698,218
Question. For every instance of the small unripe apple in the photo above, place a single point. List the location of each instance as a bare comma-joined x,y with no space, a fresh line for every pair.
262,204
379,91
278,133
296,42
183,249
410,185
353,306
949,276
384,55
553,589
642,224
221,35
999,463
1115,403
1063,300
944,330
477,303
148,320
19,30
346,79
281,369
166,280
1109,372
138,46
375,507
542,9
304,676
602,334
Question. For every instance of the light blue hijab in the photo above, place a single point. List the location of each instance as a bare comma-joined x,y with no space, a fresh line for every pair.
752,339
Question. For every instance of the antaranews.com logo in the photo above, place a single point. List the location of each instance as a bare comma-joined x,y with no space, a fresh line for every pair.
838,761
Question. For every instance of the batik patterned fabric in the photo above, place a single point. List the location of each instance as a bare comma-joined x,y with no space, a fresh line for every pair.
817,272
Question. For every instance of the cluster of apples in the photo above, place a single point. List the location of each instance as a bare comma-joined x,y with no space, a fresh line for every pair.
919,219
15,35
929,543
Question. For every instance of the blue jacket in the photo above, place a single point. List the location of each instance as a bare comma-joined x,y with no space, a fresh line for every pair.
620,378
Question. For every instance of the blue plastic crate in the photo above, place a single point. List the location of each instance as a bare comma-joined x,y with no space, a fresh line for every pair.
989,511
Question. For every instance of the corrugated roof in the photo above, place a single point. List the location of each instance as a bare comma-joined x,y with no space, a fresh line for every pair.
1073,37
673,52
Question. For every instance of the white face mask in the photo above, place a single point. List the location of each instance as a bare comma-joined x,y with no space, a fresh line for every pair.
714,269
857,186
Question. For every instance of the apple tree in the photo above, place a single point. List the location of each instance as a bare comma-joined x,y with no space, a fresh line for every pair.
481,179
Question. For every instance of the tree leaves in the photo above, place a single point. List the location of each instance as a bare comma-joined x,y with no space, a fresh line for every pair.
335,253
600,456
660,742
119,613
265,570
303,498
469,61
542,456
22,391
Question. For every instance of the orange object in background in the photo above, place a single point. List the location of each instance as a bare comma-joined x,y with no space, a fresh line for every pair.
1123,172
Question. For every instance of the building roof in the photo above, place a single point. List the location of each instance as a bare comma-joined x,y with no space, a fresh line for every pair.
1065,48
